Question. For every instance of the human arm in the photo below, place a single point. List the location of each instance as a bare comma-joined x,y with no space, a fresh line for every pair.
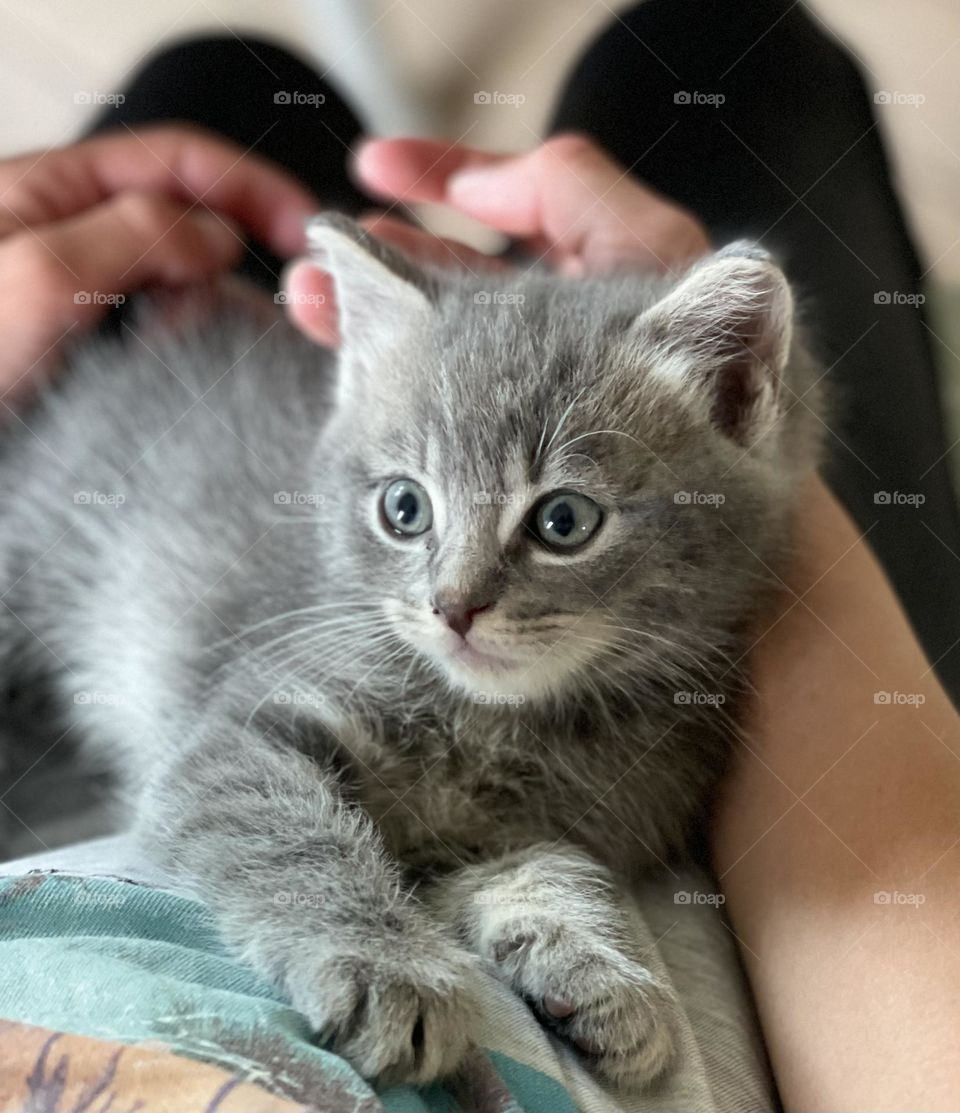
837,841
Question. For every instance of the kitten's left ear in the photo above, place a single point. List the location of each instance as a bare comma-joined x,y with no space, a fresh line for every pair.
722,337
380,294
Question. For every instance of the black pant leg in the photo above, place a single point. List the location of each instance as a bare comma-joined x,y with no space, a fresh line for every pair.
262,97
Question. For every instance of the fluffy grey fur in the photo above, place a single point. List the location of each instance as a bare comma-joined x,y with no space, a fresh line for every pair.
197,575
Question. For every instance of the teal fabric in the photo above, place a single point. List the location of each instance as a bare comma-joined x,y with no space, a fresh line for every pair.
120,961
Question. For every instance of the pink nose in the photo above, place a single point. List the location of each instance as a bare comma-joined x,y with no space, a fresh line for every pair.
458,617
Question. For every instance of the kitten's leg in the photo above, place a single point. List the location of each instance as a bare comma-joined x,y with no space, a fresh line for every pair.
550,924
303,889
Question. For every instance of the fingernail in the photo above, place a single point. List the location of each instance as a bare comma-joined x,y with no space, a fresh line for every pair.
362,143
356,156
355,153
468,187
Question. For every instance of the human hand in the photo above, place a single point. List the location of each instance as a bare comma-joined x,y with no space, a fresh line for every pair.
84,225
567,202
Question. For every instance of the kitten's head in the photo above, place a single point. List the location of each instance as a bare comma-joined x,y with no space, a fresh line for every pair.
554,486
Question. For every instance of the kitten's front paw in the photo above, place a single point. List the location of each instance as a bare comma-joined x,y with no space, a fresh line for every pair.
398,1012
591,992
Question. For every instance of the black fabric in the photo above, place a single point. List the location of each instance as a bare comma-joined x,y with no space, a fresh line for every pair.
231,86
792,156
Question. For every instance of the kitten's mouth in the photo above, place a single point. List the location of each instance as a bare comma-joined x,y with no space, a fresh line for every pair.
508,675
467,654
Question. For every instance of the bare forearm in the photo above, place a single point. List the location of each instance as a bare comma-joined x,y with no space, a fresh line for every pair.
838,842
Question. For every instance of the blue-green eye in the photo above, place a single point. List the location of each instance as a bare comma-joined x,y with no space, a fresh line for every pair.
566,520
406,508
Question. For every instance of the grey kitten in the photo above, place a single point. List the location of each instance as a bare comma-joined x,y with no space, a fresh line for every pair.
414,657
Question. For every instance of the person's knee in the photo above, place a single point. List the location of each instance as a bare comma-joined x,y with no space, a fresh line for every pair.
219,58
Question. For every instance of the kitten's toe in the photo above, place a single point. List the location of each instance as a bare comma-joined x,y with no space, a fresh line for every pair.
558,1008
607,1004
395,1018
626,1026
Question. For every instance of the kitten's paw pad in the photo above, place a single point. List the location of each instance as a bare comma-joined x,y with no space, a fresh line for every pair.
606,1003
396,1018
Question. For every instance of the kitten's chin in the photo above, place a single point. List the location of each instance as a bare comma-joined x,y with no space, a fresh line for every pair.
491,678
501,672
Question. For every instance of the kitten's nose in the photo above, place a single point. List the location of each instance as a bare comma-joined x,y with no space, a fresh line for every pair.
459,616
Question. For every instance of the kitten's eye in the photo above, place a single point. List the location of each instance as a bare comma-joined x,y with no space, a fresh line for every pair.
406,508
566,520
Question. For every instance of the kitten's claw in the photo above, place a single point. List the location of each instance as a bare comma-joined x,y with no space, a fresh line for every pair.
397,1014
594,994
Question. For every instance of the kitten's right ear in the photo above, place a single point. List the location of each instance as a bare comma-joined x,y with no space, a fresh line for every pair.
721,338
380,295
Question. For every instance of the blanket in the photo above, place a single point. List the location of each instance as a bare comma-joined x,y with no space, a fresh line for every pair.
118,995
